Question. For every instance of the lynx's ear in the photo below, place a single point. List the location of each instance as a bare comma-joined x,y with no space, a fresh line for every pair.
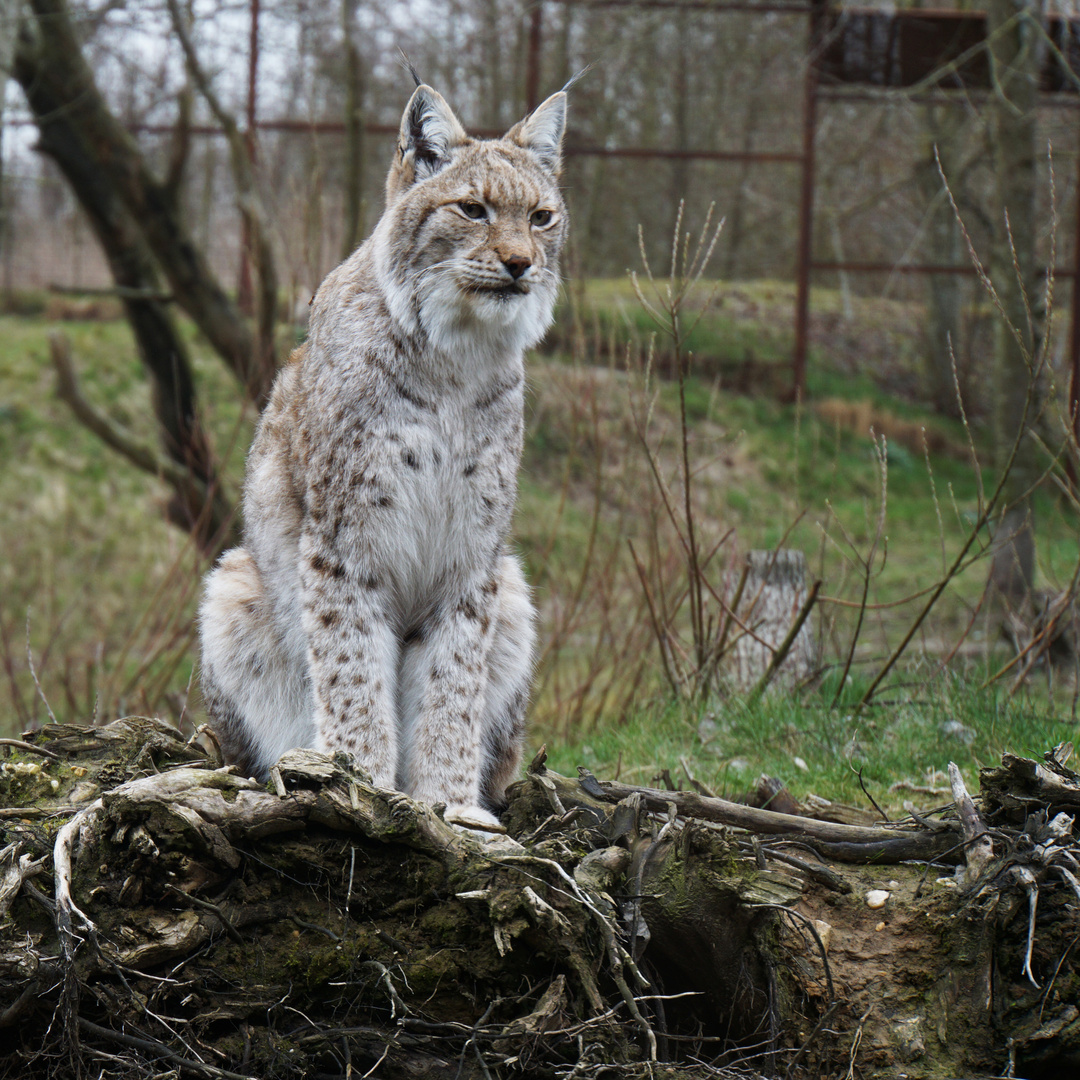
542,132
429,133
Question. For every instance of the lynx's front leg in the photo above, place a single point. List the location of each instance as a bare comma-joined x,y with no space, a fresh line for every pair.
447,675
353,657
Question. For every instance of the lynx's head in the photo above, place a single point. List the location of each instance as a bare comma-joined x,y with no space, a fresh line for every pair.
467,249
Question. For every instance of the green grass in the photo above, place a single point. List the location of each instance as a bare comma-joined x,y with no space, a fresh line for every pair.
110,589
900,748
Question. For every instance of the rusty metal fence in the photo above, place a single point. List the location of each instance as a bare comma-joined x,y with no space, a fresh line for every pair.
851,54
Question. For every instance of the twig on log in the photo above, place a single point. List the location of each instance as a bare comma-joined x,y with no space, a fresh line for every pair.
695,783
66,907
39,898
397,1006
1027,881
14,871
1070,880
873,801
846,843
819,873
30,748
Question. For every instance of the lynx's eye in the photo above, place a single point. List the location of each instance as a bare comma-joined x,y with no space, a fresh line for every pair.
473,210
540,218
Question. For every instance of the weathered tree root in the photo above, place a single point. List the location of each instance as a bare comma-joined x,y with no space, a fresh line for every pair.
205,925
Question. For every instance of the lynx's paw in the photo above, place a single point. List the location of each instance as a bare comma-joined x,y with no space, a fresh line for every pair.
476,820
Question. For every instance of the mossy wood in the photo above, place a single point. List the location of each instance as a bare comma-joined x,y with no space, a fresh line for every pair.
164,917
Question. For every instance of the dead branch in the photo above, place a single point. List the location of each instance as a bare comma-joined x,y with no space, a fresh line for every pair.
1020,785
206,505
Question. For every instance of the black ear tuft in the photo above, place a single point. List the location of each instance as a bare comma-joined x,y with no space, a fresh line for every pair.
574,79
407,64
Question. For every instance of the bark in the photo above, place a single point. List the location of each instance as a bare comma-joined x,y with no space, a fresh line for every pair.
200,923
773,598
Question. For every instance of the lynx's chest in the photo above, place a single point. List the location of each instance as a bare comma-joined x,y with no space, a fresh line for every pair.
449,472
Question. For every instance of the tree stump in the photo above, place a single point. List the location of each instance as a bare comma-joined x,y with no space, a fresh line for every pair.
772,598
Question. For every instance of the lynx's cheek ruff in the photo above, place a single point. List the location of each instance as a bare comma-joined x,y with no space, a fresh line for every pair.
375,606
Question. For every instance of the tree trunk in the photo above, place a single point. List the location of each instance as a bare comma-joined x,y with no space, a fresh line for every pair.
1015,48
161,349
945,246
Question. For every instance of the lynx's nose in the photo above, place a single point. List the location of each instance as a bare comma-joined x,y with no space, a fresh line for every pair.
517,265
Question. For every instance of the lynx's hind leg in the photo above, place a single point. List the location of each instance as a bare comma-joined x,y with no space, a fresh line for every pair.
506,696
256,694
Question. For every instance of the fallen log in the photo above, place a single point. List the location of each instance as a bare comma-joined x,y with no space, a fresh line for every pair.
845,843
198,923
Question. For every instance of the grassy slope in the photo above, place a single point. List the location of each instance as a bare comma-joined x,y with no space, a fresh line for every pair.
110,588
92,577
762,465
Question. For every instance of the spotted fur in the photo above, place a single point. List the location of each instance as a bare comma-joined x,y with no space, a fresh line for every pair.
375,606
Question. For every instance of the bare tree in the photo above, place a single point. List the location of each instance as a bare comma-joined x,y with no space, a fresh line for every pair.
1014,40
133,216
153,259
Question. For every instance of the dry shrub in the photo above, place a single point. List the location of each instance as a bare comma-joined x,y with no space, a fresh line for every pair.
863,415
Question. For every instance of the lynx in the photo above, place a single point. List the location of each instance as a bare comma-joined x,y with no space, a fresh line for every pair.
375,606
